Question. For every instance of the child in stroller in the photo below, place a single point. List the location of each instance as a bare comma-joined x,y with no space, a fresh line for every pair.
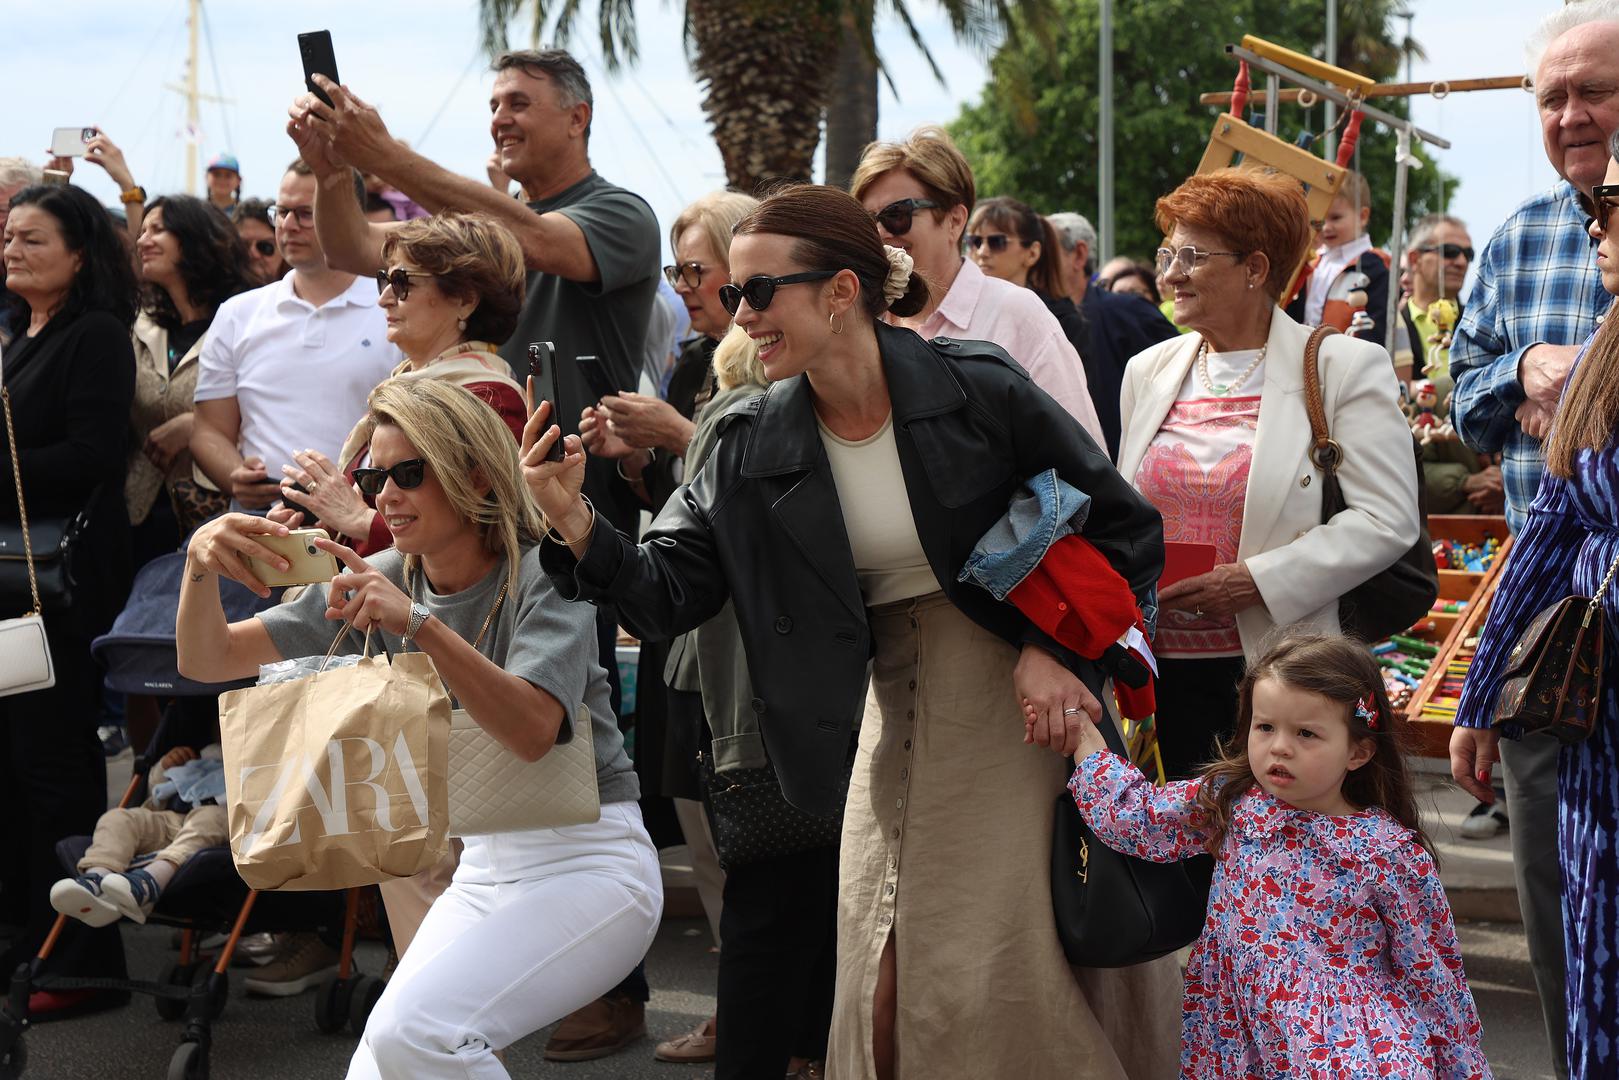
136,850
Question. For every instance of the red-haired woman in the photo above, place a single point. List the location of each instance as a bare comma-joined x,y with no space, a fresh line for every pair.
1215,435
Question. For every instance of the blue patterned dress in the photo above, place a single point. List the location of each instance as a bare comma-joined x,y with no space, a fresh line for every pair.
1329,949
1570,540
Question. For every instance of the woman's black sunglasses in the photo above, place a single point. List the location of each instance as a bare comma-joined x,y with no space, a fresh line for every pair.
264,247
758,291
399,278
1605,197
996,242
896,217
406,474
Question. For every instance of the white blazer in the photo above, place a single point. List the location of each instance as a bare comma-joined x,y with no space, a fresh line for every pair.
1300,565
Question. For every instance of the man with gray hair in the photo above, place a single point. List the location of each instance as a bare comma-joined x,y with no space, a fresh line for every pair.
1117,325
15,174
592,251
1538,296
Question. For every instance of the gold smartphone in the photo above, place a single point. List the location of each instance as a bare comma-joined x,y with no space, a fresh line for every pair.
309,563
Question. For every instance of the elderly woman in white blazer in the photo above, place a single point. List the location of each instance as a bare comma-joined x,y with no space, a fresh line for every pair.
1215,434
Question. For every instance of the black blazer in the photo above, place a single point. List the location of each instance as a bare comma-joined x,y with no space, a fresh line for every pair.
71,388
761,524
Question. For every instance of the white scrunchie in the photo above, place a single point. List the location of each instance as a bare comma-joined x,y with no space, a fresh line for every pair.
899,274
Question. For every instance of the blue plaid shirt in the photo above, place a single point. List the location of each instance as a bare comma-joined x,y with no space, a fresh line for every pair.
1537,285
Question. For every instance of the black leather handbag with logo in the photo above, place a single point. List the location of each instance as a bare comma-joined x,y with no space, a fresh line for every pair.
1552,682
1399,595
1112,909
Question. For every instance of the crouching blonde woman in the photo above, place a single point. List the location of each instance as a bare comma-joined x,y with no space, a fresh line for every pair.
535,923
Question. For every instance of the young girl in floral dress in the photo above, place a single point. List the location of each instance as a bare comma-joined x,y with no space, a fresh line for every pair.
1329,949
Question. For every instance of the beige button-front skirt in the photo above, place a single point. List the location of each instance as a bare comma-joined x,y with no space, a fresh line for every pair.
947,845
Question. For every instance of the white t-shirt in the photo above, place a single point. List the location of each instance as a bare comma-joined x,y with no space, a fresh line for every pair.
888,555
300,374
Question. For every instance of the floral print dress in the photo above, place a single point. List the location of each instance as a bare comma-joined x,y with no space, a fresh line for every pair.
1329,949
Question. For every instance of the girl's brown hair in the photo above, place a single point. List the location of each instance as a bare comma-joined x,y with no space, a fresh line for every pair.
1020,220
1341,670
833,232
1589,412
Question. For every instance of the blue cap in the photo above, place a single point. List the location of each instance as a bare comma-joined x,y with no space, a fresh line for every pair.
225,161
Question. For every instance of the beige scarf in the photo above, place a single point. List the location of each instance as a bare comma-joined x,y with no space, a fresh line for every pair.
464,364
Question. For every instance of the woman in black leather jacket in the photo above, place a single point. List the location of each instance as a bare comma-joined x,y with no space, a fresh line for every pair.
798,517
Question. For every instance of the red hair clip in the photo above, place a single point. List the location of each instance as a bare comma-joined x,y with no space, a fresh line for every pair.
1366,710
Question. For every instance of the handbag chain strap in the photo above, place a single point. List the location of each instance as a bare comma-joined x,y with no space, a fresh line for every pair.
22,509
500,598
1596,601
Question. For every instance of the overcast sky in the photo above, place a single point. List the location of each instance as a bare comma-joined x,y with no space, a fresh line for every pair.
100,62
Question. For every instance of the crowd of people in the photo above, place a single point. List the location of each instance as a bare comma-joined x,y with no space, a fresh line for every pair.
811,467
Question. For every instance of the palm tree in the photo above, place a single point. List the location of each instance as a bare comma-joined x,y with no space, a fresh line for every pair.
770,69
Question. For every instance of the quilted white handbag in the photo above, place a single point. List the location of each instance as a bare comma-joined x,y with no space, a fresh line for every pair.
25,652
492,790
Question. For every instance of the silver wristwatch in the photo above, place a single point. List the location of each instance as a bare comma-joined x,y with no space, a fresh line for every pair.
418,615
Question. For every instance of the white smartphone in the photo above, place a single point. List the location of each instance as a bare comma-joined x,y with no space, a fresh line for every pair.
69,141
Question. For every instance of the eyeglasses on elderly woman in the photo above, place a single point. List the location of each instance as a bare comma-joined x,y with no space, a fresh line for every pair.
1188,258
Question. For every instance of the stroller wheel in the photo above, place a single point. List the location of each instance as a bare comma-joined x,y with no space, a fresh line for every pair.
14,1058
332,999
367,990
190,1062
174,975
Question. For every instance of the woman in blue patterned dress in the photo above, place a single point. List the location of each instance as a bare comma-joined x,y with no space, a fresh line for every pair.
1566,548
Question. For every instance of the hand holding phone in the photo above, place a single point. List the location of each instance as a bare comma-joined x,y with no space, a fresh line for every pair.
319,59
542,374
308,563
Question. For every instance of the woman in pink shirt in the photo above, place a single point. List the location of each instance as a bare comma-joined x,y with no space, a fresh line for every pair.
921,194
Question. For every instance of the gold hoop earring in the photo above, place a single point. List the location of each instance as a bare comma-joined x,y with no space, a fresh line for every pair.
834,322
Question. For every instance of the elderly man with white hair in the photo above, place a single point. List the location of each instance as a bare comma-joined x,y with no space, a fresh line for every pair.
1117,325
1538,296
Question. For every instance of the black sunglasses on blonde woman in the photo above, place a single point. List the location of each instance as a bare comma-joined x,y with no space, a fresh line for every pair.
897,217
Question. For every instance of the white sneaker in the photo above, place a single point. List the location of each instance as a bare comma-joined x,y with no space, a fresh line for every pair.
80,898
1484,823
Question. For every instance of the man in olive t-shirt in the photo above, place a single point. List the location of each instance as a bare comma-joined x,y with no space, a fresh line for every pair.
591,247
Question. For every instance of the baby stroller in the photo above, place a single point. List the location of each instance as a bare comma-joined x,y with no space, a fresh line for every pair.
206,895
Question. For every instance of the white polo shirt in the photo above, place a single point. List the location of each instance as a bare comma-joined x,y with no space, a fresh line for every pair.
300,374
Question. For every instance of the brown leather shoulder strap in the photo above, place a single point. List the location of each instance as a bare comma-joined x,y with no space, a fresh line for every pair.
1324,451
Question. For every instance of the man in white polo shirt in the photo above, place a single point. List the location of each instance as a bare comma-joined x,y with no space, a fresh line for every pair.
287,367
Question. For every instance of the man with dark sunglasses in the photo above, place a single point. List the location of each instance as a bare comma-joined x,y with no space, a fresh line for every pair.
920,193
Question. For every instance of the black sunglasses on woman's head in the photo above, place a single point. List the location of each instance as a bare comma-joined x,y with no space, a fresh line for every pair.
407,474
759,290
897,217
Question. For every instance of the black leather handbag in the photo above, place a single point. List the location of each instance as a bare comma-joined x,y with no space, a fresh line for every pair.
55,542
753,820
1400,595
1115,910
1552,681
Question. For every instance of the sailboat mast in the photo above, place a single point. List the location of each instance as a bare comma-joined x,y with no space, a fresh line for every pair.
193,111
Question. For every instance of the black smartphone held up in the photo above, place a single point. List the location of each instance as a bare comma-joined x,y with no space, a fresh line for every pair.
595,373
542,369
319,59
309,516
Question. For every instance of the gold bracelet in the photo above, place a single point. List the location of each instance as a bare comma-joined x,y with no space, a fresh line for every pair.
628,479
563,539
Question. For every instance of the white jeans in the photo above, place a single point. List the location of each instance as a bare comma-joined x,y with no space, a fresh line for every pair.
534,925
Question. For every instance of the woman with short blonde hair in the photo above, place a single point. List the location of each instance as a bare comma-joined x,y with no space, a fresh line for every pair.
545,920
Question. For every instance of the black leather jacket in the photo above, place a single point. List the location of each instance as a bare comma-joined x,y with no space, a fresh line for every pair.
761,523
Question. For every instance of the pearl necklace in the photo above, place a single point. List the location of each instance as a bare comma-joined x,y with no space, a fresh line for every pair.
1225,388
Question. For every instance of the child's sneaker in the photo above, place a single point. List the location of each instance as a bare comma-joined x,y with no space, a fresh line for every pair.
133,892
80,898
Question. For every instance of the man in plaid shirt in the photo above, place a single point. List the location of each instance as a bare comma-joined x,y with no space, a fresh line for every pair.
1537,298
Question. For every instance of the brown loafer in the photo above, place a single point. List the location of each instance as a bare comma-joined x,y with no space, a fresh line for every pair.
605,1026
691,1048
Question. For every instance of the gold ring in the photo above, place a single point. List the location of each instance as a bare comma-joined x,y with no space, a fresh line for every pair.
313,484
